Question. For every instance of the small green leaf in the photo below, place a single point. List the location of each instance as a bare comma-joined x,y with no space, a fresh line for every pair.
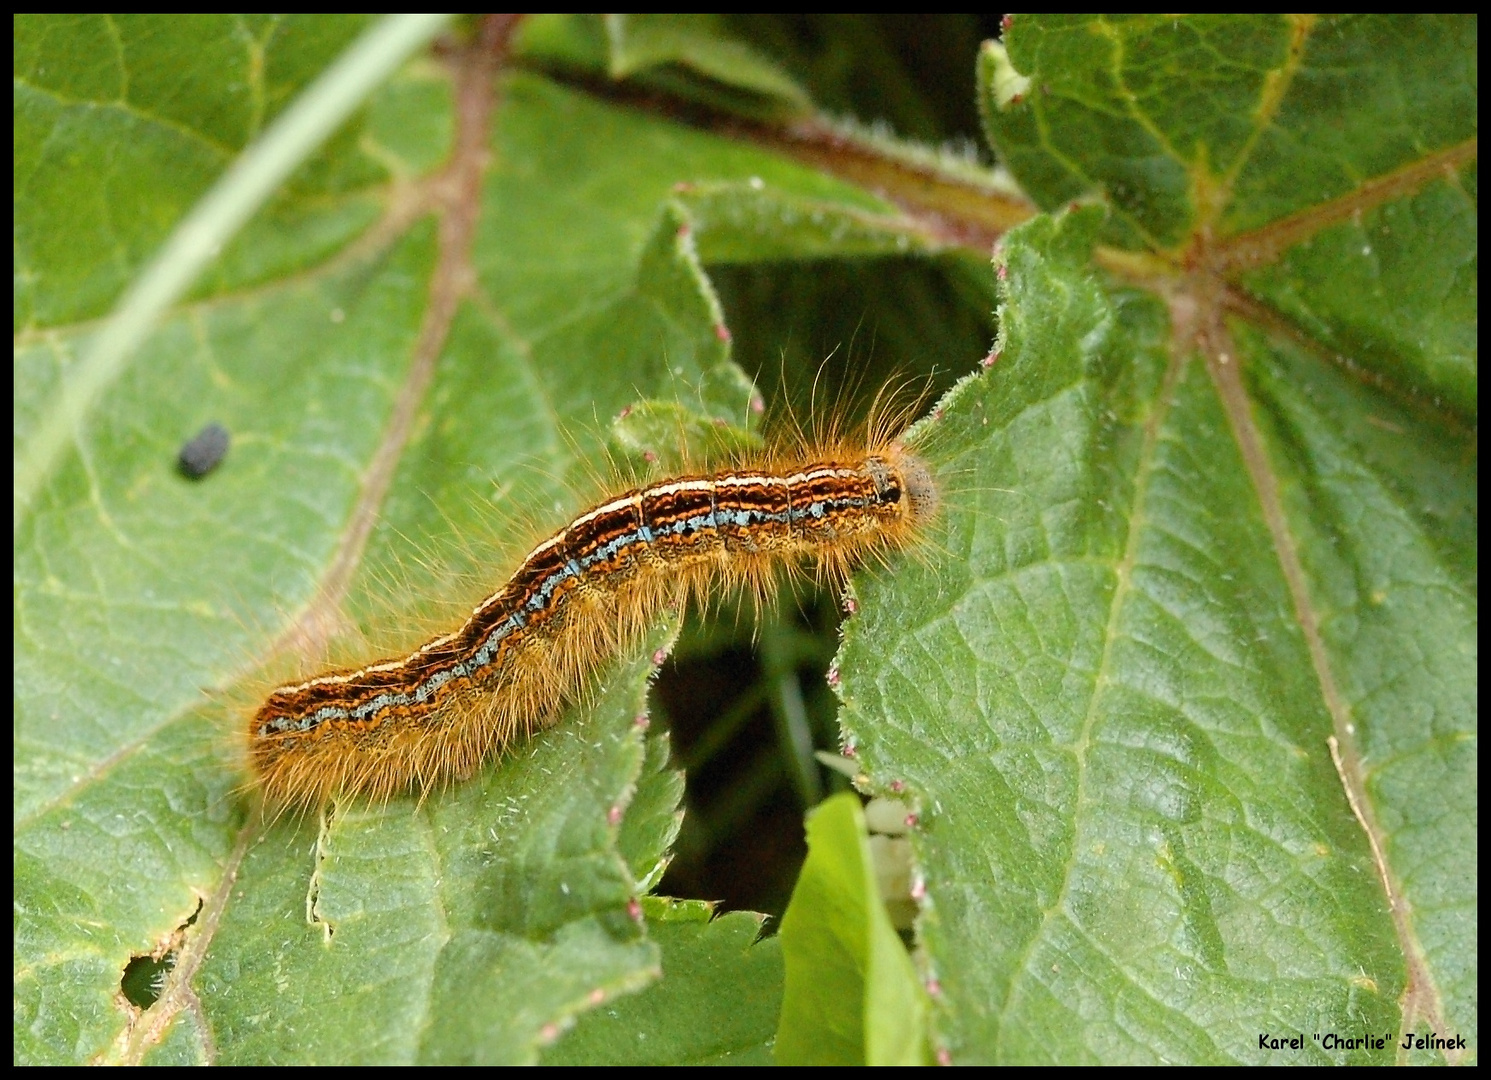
653,816
692,56
852,996
698,42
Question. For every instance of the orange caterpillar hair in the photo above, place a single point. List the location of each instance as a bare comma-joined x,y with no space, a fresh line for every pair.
586,594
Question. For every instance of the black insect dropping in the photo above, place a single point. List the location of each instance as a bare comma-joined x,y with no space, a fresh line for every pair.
204,452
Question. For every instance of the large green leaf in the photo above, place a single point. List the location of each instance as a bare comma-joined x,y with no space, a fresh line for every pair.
1189,709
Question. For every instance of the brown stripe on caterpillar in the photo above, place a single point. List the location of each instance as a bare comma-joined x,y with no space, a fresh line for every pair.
577,599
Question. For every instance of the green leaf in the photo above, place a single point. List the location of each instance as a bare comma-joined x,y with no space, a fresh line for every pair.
690,55
746,223
1188,712
716,1004
1370,112
505,904
851,997
143,600
122,125
653,817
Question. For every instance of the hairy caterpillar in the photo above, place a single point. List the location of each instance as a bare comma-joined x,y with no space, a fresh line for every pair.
583,595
